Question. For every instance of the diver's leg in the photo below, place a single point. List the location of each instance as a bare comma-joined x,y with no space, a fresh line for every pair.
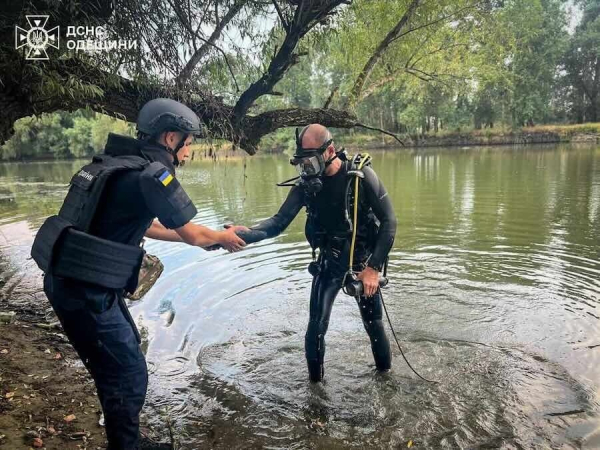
371,311
323,293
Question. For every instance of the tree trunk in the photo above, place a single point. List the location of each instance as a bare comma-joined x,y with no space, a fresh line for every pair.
360,81
594,104
395,118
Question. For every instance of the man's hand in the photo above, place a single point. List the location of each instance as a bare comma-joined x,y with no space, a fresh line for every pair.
231,241
370,280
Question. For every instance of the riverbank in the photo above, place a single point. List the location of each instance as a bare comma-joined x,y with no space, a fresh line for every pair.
545,134
47,398
282,140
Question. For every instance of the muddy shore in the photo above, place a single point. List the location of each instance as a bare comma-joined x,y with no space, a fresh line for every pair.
47,398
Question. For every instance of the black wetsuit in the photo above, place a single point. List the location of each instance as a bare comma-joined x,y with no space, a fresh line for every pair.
328,229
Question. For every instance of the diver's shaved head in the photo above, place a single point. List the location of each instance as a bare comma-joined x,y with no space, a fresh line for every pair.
315,135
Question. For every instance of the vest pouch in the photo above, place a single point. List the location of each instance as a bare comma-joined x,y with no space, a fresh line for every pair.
88,258
150,270
45,240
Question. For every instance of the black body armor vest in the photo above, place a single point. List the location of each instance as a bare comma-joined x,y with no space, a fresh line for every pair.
63,245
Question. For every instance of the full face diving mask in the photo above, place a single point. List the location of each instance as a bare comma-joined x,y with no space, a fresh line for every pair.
310,164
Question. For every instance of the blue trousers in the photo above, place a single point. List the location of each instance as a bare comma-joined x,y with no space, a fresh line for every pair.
99,327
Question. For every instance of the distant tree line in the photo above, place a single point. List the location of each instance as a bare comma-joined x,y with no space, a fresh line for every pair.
515,64
62,135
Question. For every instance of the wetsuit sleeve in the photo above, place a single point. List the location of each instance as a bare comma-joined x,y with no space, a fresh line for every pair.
273,226
381,204
165,197
289,210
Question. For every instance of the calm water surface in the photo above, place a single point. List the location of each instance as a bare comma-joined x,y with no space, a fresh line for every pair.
494,292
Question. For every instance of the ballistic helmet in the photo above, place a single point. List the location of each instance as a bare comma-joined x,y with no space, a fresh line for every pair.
163,114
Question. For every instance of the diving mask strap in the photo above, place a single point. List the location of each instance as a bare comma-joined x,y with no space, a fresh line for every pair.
329,161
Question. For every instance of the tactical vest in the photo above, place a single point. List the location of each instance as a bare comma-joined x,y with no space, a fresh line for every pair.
63,245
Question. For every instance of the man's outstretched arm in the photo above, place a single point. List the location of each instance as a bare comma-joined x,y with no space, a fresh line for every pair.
197,235
160,232
290,208
273,226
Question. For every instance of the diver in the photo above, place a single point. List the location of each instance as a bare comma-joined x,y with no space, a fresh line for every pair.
90,253
326,188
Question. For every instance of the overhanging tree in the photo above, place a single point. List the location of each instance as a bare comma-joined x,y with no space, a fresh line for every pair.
173,45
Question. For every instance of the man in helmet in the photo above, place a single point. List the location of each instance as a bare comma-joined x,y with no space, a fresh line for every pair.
90,252
325,188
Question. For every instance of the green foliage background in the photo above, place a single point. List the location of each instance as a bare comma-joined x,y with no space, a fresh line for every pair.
62,136
461,65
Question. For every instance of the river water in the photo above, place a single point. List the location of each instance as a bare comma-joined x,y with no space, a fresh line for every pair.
494,293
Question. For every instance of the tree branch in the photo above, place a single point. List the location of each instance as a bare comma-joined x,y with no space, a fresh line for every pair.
307,14
441,19
379,51
255,127
389,133
123,98
330,98
210,42
284,22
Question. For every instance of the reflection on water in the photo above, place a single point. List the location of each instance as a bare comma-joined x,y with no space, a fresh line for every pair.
494,291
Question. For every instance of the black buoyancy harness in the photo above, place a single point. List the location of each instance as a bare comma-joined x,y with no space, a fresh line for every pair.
63,245
316,235
366,219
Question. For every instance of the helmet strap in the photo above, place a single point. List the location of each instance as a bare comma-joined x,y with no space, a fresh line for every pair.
174,152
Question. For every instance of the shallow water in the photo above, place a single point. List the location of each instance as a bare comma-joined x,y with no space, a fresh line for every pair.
494,293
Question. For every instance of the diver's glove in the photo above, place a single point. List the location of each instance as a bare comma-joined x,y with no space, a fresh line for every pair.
249,236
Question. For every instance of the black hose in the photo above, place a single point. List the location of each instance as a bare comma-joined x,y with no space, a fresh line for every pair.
398,342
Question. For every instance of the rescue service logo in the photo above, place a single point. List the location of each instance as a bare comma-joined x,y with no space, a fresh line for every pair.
90,39
36,38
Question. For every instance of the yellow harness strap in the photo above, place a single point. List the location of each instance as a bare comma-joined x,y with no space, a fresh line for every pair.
364,159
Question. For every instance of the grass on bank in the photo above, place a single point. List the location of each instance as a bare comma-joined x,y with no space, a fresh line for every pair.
282,141
569,130
502,130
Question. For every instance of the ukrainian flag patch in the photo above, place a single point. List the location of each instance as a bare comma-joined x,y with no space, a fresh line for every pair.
166,178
